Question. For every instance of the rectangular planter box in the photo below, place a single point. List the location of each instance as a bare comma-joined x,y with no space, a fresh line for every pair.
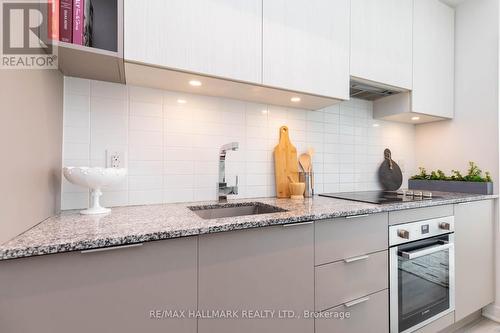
450,186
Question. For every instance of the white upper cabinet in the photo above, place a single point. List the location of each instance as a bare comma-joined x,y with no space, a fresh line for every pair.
306,46
216,37
381,41
432,95
433,58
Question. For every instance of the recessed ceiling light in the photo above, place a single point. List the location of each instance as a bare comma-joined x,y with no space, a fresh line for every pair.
195,83
375,125
295,99
264,111
415,118
181,101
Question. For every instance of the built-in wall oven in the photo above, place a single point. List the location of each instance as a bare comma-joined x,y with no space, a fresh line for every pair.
422,273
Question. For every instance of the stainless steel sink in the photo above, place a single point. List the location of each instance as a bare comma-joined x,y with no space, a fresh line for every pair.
232,210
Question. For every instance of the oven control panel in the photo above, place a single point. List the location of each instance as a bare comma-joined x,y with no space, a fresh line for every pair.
409,232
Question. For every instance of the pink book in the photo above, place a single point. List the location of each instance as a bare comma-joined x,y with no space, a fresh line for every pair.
66,21
78,9
53,19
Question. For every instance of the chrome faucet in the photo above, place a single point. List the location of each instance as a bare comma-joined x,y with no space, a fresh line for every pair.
222,189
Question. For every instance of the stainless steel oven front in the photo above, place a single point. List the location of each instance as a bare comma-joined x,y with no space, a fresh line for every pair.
422,273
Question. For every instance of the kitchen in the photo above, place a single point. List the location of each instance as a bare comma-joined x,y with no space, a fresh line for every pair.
163,157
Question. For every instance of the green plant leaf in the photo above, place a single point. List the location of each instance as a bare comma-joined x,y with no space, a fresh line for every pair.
474,174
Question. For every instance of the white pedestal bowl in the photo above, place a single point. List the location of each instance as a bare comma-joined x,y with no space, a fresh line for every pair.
95,179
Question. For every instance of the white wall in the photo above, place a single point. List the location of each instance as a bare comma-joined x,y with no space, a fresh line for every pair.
30,141
173,148
473,135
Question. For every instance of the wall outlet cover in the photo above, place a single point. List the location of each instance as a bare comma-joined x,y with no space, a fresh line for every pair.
115,159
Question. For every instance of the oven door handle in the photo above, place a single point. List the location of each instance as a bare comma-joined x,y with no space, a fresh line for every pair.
426,251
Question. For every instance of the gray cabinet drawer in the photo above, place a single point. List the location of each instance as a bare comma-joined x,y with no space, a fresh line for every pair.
418,214
257,269
344,281
370,315
108,291
345,237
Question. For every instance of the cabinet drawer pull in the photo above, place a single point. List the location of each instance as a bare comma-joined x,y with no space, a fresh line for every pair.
356,216
356,302
353,259
297,224
111,248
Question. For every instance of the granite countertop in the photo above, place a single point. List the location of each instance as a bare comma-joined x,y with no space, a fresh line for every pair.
71,231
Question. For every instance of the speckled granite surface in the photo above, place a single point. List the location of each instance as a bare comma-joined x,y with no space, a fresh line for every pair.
71,231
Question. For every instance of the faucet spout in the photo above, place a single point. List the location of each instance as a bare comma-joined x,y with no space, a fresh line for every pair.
227,147
222,189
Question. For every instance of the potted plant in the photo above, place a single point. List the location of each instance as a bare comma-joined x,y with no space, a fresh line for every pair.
473,182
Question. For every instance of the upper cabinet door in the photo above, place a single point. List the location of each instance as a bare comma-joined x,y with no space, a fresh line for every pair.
216,37
381,41
306,46
433,58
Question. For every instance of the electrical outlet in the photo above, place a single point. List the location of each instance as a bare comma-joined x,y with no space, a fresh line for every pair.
115,159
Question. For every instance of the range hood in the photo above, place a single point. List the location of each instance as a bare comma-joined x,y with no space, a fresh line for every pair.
370,91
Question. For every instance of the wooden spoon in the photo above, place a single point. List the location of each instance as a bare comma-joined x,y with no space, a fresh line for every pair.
305,162
311,151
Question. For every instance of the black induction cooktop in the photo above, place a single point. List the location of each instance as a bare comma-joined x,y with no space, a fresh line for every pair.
376,197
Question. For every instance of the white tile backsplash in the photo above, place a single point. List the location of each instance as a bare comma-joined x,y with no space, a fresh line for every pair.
172,148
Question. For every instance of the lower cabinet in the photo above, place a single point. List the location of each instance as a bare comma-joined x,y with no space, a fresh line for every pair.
344,281
255,280
262,269
105,291
347,237
367,314
474,251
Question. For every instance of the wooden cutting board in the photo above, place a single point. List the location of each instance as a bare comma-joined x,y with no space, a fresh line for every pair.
285,164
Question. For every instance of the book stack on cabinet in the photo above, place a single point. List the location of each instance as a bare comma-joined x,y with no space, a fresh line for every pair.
88,38
71,21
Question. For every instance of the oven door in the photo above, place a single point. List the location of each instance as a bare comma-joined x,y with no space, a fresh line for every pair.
422,282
